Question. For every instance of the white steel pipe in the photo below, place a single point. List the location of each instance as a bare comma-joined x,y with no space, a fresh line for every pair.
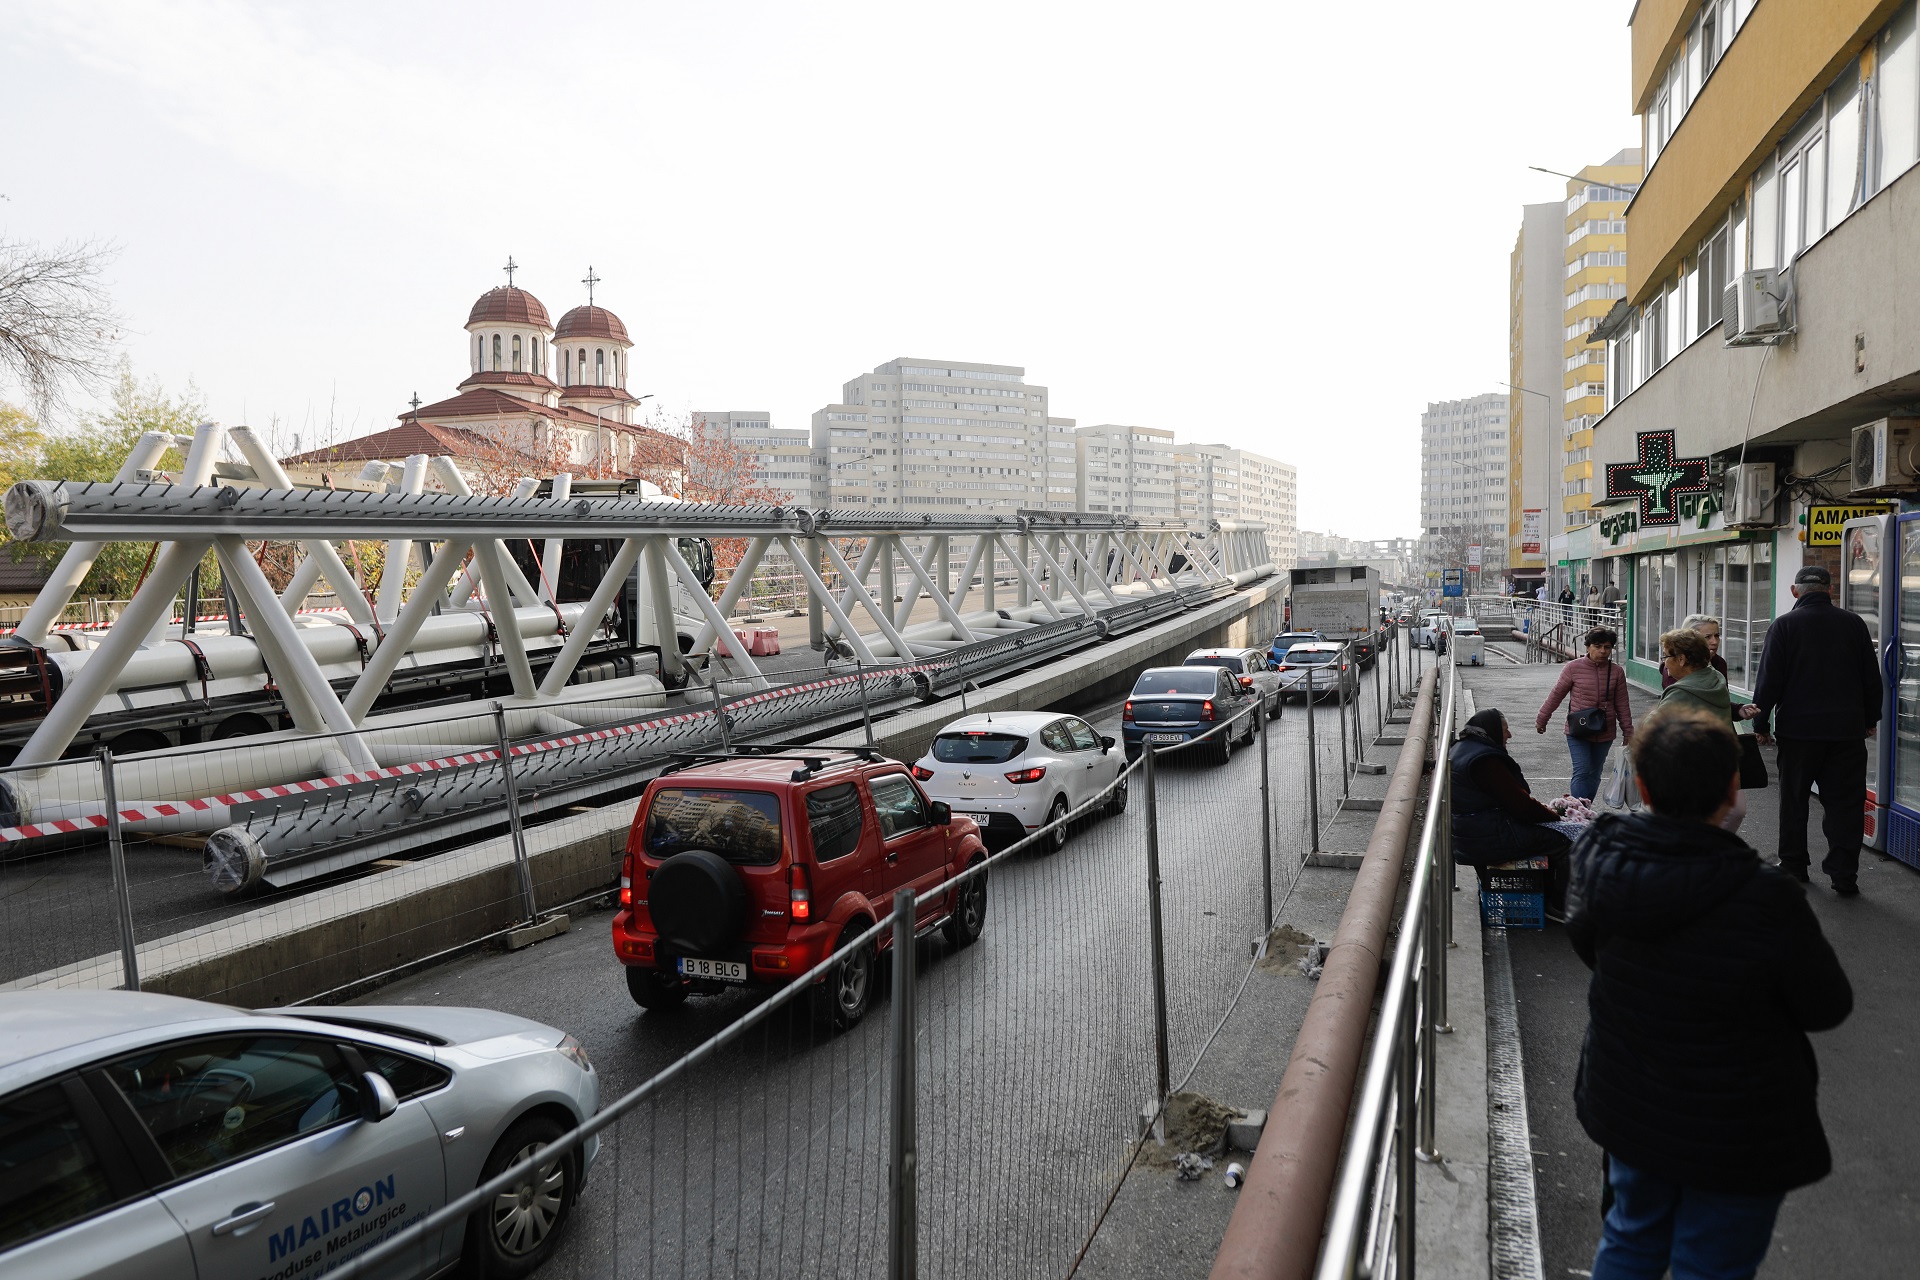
326,561
588,622
550,554
406,630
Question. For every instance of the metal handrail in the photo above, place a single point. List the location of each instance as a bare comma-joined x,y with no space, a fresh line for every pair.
1372,1215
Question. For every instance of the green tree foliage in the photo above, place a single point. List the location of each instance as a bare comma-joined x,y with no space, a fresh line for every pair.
94,450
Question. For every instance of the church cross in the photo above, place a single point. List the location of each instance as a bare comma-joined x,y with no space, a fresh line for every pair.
415,402
590,281
510,268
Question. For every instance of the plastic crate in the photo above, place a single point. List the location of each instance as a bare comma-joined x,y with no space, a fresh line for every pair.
1517,881
1513,910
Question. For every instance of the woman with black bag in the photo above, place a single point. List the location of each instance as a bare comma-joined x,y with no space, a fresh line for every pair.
1595,689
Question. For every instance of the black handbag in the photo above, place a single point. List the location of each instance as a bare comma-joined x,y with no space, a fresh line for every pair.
1753,765
1592,722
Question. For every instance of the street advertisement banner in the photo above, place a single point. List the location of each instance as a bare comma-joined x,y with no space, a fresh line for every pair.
1531,525
1826,520
1473,556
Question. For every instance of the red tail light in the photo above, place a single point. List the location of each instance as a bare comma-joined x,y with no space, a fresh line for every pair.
1126,712
1246,682
626,881
1283,667
923,774
799,893
1034,774
1206,709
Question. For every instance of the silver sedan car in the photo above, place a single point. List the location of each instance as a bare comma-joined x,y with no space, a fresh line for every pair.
146,1136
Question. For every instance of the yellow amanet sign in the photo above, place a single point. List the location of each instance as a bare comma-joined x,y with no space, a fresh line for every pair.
1824,523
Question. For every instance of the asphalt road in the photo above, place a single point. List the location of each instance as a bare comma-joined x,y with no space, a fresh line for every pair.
1035,1052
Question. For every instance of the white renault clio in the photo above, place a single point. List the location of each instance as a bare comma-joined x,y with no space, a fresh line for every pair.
1014,772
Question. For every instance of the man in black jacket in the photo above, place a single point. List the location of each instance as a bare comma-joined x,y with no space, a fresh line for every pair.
1696,1076
1819,687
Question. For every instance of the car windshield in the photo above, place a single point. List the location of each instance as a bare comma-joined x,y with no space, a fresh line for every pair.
1308,657
1154,683
977,746
1231,664
740,826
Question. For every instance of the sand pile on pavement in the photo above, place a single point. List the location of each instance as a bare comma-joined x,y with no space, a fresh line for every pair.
1287,947
1192,1123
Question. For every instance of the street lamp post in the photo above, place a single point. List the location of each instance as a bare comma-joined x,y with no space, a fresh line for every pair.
1546,482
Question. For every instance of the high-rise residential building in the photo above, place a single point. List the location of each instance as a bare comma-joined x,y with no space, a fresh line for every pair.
1063,466
1596,277
934,435
1535,338
1464,489
1219,482
1767,319
783,456
1128,470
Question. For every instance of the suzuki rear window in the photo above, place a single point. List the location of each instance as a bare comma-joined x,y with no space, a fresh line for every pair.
740,826
1200,680
833,817
1231,664
977,748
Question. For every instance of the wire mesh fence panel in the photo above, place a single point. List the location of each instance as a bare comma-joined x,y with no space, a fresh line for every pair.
1034,1048
59,910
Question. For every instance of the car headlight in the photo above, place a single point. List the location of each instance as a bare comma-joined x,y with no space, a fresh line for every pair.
575,1052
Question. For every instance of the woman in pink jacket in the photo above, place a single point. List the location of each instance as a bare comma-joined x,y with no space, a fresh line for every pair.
1594,682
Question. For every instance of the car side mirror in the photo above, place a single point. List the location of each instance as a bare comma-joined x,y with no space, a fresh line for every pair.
1106,743
942,813
376,1097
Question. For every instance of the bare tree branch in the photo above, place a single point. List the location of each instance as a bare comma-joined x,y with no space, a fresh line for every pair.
57,324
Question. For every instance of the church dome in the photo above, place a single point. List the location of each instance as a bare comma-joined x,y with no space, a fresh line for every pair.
591,322
508,305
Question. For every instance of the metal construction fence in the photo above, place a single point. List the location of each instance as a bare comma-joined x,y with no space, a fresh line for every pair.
980,1119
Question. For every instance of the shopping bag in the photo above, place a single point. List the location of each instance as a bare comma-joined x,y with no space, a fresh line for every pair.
1618,791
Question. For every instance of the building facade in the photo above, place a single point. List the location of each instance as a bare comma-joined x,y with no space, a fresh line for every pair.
1464,486
934,435
1780,139
783,456
1129,470
1596,277
1218,482
1536,303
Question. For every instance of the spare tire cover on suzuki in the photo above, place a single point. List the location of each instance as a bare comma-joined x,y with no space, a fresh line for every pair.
697,902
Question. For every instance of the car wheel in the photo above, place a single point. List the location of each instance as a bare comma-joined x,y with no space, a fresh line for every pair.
654,990
842,997
1055,840
1224,751
515,1233
969,918
1117,798
1279,703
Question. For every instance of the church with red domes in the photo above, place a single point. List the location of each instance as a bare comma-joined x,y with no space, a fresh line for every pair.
538,396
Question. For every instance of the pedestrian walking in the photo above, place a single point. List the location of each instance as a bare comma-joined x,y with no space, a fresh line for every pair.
1709,628
1610,596
1709,969
1595,691
1819,692
1566,595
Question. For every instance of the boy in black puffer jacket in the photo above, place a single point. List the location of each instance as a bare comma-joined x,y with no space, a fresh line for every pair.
1696,1077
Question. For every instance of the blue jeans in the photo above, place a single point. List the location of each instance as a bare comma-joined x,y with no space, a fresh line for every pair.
1703,1235
1588,759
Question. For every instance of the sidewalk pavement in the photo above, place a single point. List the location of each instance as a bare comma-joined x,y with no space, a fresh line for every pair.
1862,1220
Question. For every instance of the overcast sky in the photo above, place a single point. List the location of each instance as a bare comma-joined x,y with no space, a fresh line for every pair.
1284,226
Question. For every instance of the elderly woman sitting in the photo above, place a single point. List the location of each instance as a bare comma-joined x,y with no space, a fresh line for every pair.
1495,817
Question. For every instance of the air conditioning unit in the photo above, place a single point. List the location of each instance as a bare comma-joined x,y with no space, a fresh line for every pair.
1758,307
1883,456
1748,492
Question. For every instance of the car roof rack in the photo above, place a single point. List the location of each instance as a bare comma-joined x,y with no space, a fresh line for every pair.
813,760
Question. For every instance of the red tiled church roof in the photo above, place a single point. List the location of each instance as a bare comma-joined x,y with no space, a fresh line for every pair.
508,305
591,322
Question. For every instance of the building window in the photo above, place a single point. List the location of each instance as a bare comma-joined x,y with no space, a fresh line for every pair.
580,365
496,352
599,367
516,353
566,368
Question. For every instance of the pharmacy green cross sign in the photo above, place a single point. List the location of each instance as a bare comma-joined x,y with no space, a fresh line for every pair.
1656,478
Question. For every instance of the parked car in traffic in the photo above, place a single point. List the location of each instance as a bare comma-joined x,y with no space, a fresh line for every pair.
147,1135
1277,651
1013,773
1426,633
1250,666
1173,705
1318,670
750,869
